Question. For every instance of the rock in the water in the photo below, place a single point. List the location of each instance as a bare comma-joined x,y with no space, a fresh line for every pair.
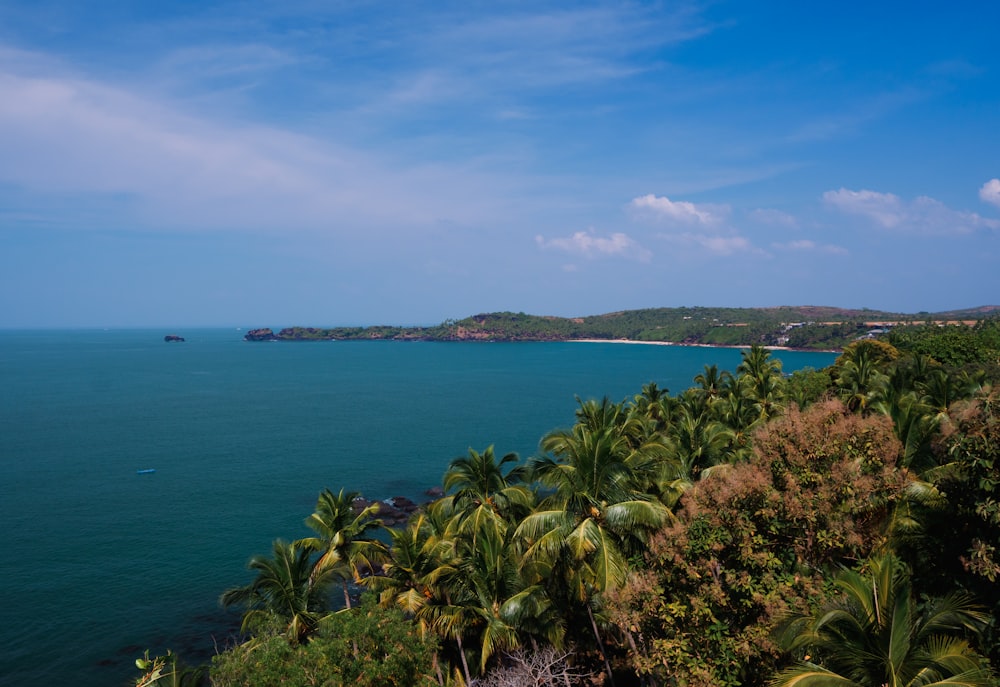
265,334
172,338
435,492
404,504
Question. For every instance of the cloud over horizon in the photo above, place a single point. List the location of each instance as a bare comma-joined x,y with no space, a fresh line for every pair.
589,245
923,215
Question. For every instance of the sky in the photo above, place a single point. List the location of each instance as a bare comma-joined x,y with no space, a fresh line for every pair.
297,162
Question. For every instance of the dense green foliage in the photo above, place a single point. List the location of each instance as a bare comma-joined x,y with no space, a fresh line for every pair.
954,345
836,527
365,647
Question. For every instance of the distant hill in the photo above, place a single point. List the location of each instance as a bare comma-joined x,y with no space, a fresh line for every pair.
804,327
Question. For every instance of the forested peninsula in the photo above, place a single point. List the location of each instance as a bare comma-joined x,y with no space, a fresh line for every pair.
835,527
801,327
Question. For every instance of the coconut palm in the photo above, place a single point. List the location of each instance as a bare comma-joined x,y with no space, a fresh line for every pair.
653,407
599,507
481,488
860,382
598,513
940,389
489,601
711,382
699,441
286,589
877,635
760,374
344,542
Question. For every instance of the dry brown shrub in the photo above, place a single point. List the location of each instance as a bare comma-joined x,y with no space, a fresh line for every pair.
750,544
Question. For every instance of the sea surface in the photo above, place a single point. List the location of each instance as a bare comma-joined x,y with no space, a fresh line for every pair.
98,562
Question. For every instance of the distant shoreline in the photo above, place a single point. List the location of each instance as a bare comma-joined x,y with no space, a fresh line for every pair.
701,345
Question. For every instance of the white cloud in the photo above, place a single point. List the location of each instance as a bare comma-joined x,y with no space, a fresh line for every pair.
922,215
990,192
589,245
679,212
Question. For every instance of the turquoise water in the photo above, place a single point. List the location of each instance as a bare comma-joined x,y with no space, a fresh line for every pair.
100,562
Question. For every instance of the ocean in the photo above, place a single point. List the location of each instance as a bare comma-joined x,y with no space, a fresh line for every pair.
100,562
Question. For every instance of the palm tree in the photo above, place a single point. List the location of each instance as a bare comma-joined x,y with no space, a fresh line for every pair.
860,382
286,588
761,375
419,554
711,382
877,635
489,600
480,485
346,548
737,412
654,407
598,513
700,442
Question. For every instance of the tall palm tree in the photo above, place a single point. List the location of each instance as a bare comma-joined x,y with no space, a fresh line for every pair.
654,407
761,376
940,390
860,382
489,600
700,441
420,554
344,542
877,635
481,488
286,589
598,512
711,382
599,506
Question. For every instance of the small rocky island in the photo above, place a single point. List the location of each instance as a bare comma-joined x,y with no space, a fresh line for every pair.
173,338
265,334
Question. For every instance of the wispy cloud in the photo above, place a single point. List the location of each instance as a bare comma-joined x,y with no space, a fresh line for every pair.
678,212
922,215
701,226
990,192
589,245
61,133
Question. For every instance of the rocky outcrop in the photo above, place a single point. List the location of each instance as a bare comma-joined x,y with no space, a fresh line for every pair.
173,338
392,512
265,334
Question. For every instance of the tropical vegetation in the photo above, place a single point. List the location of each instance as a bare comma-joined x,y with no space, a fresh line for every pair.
836,527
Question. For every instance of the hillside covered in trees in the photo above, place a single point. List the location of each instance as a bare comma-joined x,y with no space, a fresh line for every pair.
806,327
834,527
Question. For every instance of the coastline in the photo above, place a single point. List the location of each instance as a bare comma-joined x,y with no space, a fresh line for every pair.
699,345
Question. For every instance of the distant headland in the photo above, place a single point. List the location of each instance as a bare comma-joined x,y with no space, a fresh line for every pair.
797,327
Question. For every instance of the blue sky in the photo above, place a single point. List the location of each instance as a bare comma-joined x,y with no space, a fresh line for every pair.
268,163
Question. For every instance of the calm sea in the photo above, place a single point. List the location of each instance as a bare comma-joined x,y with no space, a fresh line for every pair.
99,562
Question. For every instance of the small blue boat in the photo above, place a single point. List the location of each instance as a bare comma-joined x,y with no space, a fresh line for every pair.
146,471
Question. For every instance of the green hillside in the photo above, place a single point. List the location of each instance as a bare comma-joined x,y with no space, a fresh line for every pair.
805,327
